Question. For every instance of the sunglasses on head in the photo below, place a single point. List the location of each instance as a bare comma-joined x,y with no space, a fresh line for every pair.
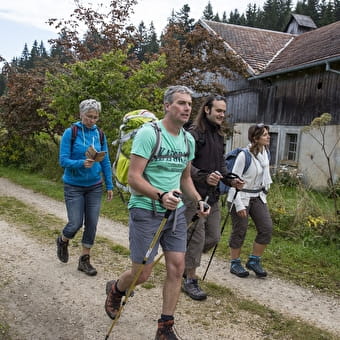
219,97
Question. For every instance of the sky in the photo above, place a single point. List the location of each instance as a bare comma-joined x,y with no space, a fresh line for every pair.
25,21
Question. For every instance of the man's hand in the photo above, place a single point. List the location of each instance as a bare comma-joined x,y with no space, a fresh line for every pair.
171,199
214,178
203,208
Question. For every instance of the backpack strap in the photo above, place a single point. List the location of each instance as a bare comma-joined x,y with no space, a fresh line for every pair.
248,160
186,142
74,129
158,143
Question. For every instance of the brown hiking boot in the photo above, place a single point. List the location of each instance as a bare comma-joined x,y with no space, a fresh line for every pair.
85,266
113,299
62,251
165,331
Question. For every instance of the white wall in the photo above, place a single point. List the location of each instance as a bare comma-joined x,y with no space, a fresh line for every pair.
311,161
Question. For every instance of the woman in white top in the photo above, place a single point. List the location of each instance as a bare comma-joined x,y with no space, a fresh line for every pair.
251,201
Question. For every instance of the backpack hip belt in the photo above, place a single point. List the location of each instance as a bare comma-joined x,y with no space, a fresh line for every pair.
255,191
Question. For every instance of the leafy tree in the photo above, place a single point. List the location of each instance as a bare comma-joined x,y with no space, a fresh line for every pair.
105,31
195,57
111,80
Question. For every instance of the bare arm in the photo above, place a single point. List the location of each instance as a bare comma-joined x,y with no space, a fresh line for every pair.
138,183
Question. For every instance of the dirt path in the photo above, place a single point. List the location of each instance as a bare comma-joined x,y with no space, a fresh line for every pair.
63,303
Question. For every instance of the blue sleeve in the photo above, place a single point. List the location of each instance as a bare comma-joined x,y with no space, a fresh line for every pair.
106,166
66,158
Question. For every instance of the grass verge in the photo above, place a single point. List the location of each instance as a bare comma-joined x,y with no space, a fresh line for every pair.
222,305
315,266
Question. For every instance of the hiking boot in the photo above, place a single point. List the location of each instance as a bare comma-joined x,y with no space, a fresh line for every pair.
191,288
85,266
237,268
113,299
165,331
254,264
62,251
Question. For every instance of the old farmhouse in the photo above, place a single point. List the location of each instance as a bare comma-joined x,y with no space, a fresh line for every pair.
292,79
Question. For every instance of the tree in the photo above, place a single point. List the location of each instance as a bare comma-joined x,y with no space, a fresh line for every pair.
320,124
336,10
146,42
109,79
197,60
236,19
105,31
208,12
25,57
42,50
327,13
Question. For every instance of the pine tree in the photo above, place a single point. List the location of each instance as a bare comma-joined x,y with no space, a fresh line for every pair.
252,14
236,19
326,13
25,57
336,10
42,50
208,13
34,55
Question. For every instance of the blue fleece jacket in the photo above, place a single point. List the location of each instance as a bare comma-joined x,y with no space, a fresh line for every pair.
72,158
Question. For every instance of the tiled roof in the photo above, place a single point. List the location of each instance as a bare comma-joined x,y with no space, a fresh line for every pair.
310,47
256,46
269,51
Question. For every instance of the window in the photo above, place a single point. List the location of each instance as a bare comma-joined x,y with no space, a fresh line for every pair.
291,146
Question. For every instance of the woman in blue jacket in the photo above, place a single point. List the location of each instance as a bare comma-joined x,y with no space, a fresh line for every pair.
83,181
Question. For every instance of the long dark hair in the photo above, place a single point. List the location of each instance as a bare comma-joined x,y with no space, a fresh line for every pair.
254,134
201,118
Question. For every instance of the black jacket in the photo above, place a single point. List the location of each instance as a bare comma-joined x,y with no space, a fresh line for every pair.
209,157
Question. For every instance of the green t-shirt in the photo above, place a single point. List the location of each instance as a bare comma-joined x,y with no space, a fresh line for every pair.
163,172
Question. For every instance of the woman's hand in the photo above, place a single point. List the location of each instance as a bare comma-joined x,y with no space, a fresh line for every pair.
109,195
242,213
88,163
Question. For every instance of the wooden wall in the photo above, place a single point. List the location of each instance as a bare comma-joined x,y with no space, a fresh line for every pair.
292,99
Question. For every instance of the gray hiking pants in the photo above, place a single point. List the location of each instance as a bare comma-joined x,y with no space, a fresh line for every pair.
203,234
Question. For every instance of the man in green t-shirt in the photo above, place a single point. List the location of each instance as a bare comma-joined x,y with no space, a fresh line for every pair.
154,186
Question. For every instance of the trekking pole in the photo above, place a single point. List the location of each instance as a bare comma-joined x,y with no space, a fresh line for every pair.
139,272
193,220
232,176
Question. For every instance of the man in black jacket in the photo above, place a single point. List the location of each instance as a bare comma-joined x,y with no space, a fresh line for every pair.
208,168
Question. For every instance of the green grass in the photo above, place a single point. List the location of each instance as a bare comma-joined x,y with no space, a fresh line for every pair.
313,266
269,324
